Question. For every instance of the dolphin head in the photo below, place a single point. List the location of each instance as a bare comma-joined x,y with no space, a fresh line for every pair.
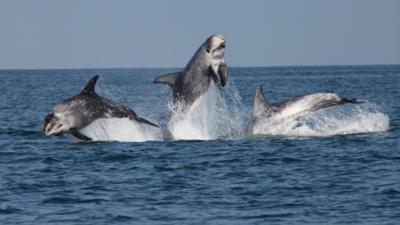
64,117
214,49
211,55
211,52
53,124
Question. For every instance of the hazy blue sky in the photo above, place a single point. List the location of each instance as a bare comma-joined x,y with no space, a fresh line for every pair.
165,33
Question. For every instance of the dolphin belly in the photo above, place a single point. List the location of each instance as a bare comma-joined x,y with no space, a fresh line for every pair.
120,129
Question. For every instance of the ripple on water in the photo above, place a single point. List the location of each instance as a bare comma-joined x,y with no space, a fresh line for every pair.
390,192
71,200
119,218
386,157
269,215
7,209
23,133
50,160
118,157
97,188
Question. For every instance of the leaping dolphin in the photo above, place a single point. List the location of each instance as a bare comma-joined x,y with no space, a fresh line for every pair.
295,109
77,112
207,65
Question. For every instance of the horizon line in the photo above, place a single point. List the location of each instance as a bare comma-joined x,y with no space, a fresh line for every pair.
270,66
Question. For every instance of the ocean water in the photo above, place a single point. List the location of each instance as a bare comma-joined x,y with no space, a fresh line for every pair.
338,166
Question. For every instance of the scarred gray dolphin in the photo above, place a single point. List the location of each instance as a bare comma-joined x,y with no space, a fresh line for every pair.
77,112
207,65
294,109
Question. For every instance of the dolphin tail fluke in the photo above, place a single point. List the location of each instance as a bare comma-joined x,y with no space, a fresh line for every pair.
168,79
143,120
260,104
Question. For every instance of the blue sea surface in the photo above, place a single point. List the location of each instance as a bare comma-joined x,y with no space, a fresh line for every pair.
338,179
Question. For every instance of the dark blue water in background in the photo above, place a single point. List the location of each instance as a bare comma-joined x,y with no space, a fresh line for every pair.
339,179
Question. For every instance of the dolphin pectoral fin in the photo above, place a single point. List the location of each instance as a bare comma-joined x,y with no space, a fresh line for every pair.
143,120
79,135
168,79
219,77
223,74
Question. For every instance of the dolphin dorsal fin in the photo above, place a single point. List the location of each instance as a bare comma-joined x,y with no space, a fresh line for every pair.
260,104
89,88
168,79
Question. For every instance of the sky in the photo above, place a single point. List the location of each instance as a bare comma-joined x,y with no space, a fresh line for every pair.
49,34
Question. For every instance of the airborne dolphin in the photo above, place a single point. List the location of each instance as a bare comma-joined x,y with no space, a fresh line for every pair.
295,109
77,112
207,65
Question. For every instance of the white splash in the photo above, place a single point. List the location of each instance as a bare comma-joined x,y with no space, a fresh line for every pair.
222,116
346,119
121,129
208,118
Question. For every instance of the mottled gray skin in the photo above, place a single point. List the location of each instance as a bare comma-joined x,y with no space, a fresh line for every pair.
206,66
77,112
262,109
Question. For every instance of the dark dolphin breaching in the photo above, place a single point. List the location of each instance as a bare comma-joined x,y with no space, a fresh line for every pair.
296,108
207,65
77,112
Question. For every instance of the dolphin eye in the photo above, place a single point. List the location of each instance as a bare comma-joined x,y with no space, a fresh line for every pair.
208,47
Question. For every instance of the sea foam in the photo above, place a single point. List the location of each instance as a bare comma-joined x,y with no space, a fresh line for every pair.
222,116
345,119
214,115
